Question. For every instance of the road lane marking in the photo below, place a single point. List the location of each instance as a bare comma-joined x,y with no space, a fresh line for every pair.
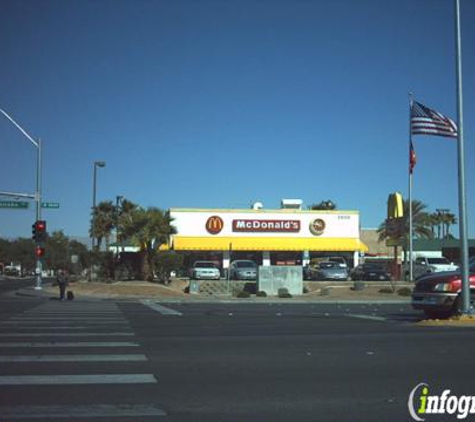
368,317
81,411
77,379
159,308
75,358
72,344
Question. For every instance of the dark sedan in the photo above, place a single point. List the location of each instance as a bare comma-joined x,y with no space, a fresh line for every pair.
370,272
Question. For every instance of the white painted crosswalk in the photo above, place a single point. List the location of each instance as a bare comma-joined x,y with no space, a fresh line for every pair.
61,333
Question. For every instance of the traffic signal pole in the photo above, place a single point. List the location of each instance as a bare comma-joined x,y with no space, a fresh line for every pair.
39,263
37,144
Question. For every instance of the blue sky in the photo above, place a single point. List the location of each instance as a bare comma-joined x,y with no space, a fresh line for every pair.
218,103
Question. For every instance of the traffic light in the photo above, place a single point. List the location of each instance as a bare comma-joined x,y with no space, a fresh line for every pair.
39,231
39,251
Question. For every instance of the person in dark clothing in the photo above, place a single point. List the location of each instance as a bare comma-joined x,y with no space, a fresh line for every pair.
62,280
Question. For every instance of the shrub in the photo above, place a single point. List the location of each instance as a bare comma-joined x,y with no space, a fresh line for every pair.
243,294
386,290
404,291
283,293
261,293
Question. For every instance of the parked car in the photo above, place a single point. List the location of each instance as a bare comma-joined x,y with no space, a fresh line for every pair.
243,269
439,294
370,272
438,264
205,270
329,271
11,271
418,270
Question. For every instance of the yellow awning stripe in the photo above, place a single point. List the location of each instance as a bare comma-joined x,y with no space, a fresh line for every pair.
182,243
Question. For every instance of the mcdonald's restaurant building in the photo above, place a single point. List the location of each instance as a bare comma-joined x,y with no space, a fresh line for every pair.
269,237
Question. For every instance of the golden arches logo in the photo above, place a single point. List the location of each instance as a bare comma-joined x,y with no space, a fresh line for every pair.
317,227
214,225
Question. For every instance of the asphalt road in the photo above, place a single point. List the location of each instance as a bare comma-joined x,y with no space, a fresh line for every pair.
140,361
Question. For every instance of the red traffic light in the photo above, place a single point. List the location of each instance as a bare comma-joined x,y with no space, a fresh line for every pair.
39,251
39,231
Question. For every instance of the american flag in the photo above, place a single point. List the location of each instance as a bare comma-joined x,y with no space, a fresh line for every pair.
425,121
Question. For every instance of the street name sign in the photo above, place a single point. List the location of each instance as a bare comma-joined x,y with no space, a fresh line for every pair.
14,204
50,205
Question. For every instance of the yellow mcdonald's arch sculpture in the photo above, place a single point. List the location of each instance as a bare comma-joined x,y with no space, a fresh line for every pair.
395,206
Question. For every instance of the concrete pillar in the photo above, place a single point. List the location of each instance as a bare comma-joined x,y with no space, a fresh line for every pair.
356,258
226,259
266,259
305,258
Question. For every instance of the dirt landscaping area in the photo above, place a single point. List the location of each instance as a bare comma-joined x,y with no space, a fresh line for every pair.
319,291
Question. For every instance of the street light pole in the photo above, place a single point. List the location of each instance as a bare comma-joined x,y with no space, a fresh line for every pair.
94,189
37,144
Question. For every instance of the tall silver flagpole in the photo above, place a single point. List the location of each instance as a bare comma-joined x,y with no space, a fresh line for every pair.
461,169
411,245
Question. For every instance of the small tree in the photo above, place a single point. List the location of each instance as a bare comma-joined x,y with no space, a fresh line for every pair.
152,228
165,263
327,205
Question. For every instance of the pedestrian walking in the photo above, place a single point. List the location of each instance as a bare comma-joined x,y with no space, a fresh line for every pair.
62,279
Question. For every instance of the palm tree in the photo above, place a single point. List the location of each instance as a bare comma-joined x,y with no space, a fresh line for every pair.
104,218
151,229
448,219
125,226
420,223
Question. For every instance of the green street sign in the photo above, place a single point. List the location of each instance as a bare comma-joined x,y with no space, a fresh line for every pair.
50,205
14,204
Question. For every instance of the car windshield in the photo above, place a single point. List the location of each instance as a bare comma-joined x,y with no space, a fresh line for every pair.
438,261
326,265
372,267
205,265
245,264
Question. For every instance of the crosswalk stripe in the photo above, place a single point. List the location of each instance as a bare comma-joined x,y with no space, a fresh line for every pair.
35,322
81,411
50,334
75,358
72,344
68,319
77,379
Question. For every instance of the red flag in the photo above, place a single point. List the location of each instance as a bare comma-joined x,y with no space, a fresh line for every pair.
412,157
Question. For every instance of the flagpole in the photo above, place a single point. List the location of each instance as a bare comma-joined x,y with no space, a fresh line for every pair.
461,168
411,246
